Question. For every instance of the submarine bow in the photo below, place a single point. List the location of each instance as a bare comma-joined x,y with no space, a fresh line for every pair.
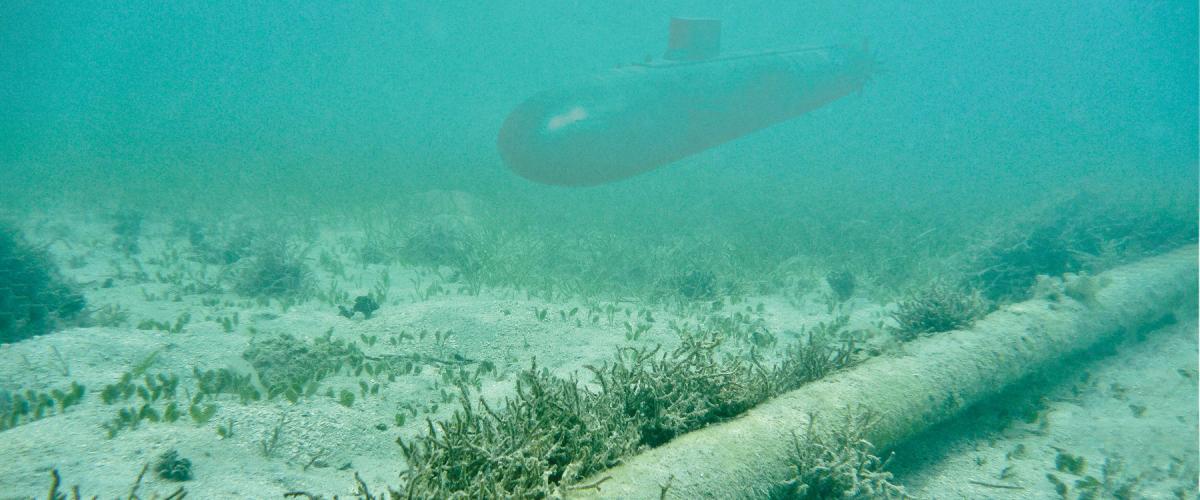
637,118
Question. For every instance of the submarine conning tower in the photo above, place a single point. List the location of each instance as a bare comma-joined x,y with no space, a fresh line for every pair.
636,118
693,39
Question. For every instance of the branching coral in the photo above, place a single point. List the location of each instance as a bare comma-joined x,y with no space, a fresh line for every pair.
1081,233
554,432
838,463
940,308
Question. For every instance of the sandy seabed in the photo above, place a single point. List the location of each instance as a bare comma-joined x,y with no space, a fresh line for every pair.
1136,407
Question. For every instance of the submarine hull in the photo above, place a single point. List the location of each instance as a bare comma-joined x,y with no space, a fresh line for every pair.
634,119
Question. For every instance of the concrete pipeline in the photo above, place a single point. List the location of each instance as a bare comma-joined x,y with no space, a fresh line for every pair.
932,380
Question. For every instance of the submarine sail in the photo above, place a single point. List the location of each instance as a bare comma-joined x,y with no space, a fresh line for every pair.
634,119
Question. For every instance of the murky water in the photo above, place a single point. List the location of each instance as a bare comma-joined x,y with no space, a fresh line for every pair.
285,241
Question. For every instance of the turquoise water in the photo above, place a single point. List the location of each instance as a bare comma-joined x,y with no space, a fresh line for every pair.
372,99
272,162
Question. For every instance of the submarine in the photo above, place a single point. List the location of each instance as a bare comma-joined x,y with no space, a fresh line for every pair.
636,118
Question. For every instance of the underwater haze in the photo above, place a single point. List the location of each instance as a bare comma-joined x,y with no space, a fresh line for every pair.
253,248
236,96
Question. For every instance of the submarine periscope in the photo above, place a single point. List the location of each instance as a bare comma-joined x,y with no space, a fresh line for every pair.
637,118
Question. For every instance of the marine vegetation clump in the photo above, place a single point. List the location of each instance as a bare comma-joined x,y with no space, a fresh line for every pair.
382,242
842,284
555,431
56,484
365,304
22,407
1009,269
128,229
1084,233
291,367
445,240
214,244
543,436
696,284
376,250
664,396
34,298
277,270
837,463
827,349
213,383
155,401
940,308
172,467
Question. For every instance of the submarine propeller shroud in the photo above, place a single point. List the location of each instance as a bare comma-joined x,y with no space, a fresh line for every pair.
633,119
